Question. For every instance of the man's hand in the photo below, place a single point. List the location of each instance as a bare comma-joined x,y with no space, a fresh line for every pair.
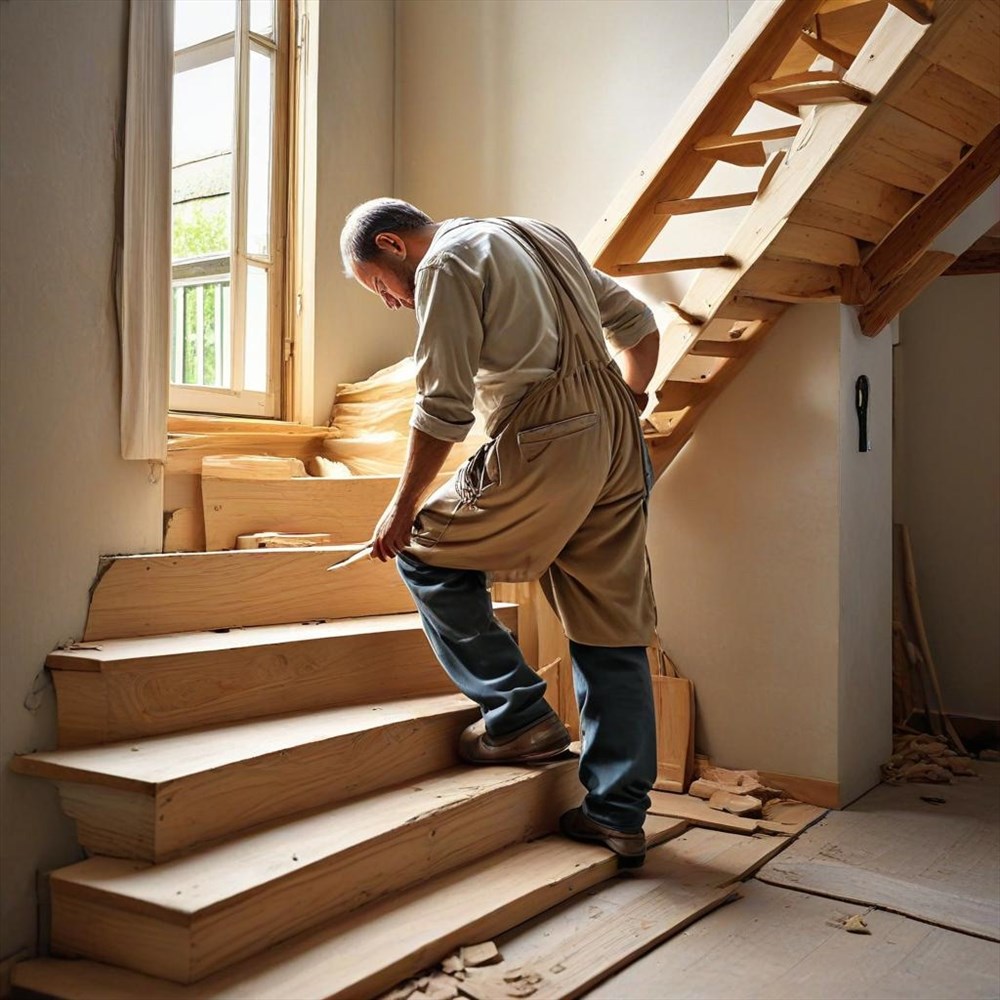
392,533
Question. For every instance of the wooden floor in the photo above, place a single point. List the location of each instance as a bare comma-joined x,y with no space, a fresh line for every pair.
783,942
891,849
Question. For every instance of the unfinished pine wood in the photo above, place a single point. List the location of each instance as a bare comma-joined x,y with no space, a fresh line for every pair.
189,592
750,149
937,96
698,812
185,790
788,93
678,395
827,49
184,530
790,281
915,9
849,26
345,509
971,51
256,467
815,791
893,850
817,246
905,152
781,944
150,686
667,266
789,817
376,946
716,105
721,348
673,699
713,203
895,297
230,901
918,228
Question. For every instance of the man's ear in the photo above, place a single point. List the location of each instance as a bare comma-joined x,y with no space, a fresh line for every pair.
390,243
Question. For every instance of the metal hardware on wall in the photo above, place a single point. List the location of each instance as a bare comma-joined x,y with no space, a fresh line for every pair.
861,388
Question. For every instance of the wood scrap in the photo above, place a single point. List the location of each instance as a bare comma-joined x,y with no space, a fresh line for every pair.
484,953
738,805
281,540
855,924
789,816
921,757
674,703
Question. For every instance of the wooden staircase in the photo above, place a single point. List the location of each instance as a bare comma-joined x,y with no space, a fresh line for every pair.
897,131
260,756
255,799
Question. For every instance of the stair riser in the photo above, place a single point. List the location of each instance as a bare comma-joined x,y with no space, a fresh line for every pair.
90,923
153,697
157,825
196,592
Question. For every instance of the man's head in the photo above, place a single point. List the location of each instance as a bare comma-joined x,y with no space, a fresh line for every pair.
382,243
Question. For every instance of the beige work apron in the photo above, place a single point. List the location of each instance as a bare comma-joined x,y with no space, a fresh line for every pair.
558,492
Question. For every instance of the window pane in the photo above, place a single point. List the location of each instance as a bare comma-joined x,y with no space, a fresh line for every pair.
203,112
198,20
262,17
199,348
255,359
259,153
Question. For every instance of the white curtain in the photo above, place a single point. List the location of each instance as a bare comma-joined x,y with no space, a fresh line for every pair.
144,264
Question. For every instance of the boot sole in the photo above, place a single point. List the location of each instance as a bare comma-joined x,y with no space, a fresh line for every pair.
539,757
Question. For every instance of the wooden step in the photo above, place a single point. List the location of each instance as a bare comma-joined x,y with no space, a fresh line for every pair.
187,918
691,206
195,591
345,509
121,689
788,93
375,947
152,799
750,149
666,266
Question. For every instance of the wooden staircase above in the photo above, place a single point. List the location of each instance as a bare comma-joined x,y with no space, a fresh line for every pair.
899,132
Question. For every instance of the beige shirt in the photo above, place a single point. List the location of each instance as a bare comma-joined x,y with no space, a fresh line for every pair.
487,321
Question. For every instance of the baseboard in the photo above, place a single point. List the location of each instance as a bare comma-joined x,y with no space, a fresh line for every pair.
815,791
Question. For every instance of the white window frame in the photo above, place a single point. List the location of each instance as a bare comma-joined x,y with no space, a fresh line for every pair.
236,400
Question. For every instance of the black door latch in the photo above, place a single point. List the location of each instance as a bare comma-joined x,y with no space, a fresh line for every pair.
861,405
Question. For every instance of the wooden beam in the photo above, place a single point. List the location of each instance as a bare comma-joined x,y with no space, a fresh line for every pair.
791,281
819,246
828,50
691,206
747,150
849,26
721,348
674,395
666,266
928,217
894,298
673,169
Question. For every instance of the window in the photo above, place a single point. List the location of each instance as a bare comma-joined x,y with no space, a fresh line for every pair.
230,182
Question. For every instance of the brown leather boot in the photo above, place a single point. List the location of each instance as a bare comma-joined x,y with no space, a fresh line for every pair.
532,744
629,845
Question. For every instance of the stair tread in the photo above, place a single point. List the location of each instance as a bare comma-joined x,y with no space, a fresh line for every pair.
145,763
196,883
106,652
372,947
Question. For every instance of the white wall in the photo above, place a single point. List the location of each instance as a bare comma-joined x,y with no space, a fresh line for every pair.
353,43
67,496
948,479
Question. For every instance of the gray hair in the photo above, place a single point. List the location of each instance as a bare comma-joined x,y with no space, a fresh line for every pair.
368,220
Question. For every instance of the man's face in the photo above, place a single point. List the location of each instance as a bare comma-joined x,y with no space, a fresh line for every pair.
390,276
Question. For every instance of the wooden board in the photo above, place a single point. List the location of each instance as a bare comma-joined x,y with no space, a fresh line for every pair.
189,592
780,944
184,530
144,687
346,509
878,311
587,939
894,850
698,812
379,944
200,785
673,698
187,918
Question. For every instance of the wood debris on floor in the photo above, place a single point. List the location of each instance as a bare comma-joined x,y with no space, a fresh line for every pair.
921,757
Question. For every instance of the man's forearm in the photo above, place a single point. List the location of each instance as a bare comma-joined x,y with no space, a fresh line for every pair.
638,363
424,457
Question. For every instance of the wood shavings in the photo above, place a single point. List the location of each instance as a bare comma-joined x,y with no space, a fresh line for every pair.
453,963
856,925
989,754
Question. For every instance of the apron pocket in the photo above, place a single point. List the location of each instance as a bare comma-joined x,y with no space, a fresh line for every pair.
532,441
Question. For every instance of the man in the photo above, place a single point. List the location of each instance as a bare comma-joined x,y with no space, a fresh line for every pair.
510,320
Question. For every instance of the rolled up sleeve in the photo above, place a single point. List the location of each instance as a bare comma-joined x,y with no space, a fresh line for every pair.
626,319
449,343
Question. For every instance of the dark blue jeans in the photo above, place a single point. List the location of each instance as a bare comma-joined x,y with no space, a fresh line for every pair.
613,688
